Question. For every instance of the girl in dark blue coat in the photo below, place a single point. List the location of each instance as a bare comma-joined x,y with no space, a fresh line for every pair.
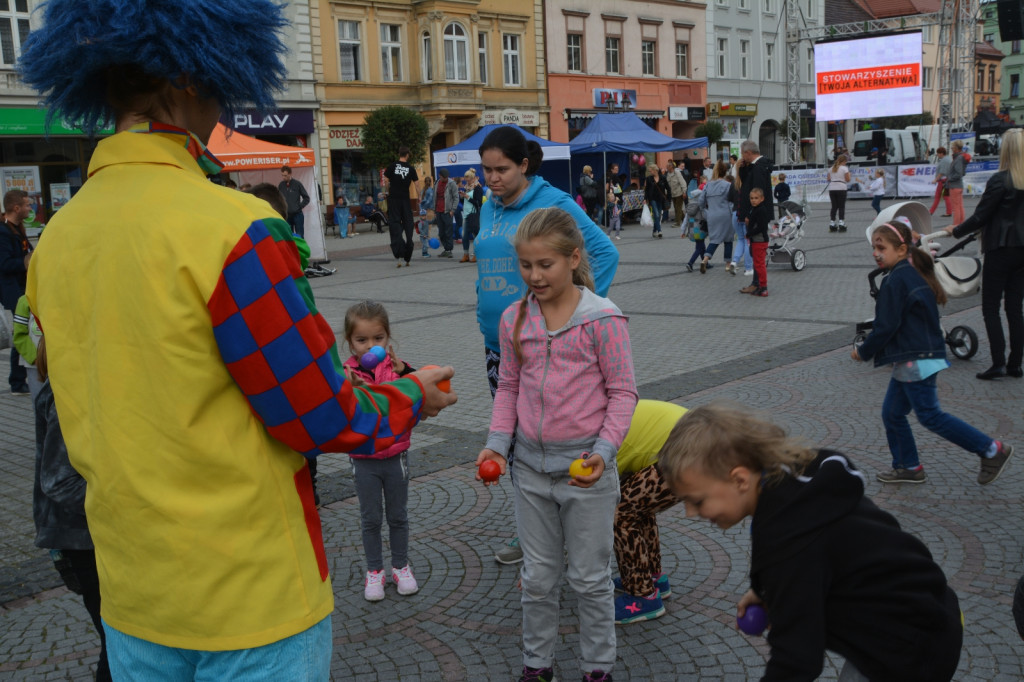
907,335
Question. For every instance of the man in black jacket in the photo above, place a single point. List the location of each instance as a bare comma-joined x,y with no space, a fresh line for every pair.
759,175
15,252
295,194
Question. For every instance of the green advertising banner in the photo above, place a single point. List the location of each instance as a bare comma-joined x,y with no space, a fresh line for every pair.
32,122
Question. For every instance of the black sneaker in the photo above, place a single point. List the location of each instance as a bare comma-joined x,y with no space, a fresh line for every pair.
537,675
992,466
20,390
901,476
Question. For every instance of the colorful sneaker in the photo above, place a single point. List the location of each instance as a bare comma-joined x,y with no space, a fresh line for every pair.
664,589
510,553
597,676
374,585
404,580
901,476
761,291
537,675
992,466
630,609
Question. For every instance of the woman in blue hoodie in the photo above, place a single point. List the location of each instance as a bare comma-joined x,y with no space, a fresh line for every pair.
510,165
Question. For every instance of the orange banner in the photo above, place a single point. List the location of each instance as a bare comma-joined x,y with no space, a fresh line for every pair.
874,78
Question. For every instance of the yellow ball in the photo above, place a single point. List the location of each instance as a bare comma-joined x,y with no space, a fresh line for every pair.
579,468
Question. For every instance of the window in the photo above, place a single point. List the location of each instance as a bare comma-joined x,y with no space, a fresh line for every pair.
682,60
510,58
722,3
769,61
481,51
926,34
348,45
391,52
980,82
989,37
14,29
456,53
723,57
428,58
1014,47
768,8
744,59
991,79
926,78
743,4
611,54
810,65
1015,85
810,7
647,57
574,55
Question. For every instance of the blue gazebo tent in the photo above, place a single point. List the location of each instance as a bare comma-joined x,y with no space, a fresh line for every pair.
465,155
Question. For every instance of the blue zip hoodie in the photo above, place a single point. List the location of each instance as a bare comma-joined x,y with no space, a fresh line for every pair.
498,283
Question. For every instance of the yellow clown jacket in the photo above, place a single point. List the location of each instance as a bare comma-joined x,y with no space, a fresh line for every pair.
193,375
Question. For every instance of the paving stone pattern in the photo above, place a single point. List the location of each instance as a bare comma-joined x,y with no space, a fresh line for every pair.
694,340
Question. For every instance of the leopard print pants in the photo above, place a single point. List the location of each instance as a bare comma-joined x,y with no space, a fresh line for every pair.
637,547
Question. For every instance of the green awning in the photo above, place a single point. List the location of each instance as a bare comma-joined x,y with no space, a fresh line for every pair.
31,122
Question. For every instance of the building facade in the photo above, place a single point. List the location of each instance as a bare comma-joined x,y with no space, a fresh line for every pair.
745,44
460,64
615,55
1011,99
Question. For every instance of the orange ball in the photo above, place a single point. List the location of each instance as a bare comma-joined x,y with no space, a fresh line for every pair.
445,385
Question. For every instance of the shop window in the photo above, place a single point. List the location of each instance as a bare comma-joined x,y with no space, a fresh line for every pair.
456,51
14,29
510,59
349,47
391,52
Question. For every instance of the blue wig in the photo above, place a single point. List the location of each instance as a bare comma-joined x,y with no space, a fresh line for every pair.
229,49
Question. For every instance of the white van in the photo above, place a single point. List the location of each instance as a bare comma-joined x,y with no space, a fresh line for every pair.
902,146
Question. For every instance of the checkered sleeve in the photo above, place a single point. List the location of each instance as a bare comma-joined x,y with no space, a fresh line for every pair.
281,353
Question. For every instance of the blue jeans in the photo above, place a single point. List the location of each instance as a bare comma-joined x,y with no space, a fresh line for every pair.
303,657
383,485
445,225
923,399
876,203
741,251
656,214
298,224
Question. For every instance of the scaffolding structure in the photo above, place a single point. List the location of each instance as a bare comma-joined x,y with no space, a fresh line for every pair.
957,22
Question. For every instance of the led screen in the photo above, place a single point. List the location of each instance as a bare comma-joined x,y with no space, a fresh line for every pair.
868,77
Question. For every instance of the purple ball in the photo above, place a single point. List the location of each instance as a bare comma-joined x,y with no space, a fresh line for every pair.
754,620
373,357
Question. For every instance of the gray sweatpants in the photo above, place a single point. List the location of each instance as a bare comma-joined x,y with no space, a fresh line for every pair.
382,485
554,519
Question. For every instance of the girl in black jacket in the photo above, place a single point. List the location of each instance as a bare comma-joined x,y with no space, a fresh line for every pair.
656,195
833,571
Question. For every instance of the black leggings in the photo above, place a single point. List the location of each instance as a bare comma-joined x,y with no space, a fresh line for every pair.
838,199
1002,280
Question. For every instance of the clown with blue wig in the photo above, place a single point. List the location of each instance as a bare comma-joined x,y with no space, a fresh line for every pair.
192,372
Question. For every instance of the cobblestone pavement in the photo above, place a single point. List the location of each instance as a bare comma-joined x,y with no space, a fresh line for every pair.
694,340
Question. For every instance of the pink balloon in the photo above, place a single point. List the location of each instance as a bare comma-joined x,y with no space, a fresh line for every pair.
641,161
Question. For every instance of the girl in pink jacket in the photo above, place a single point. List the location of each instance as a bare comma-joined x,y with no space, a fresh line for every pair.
381,479
566,388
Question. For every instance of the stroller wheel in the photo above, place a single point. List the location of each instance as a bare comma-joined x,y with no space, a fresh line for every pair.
963,342
798,260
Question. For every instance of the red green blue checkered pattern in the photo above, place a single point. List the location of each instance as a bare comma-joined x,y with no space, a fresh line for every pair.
278,350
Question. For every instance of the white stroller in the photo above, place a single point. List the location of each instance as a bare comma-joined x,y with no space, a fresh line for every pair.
959,275
784,233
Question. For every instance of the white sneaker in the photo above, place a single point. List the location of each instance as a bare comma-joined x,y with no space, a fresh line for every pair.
404,579
375,585
748,273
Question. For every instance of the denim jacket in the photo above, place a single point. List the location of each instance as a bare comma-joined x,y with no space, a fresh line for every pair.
906,323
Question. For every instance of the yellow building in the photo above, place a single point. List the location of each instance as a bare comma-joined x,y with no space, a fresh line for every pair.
460,63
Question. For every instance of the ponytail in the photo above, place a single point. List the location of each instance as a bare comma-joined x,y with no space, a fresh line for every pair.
535,155
925,266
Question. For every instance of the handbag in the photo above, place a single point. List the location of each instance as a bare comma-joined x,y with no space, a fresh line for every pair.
646,219
699,232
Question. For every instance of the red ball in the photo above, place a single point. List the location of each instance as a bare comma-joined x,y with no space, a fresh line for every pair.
490,470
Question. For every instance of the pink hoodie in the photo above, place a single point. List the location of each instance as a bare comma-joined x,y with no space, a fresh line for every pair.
574,390
382,373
